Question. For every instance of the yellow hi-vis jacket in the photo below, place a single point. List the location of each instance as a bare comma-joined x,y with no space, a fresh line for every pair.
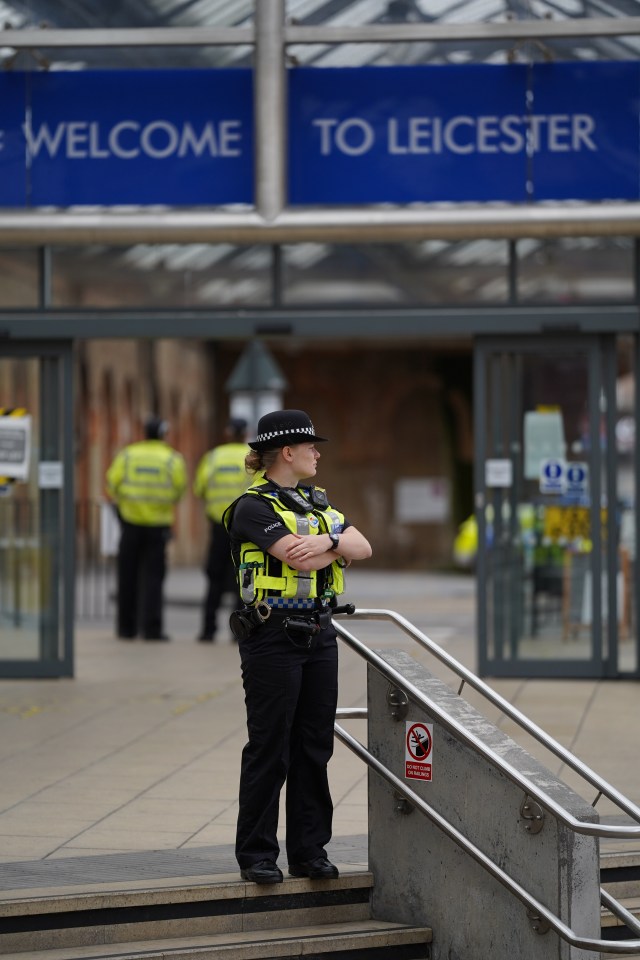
221,477
145,481
261,576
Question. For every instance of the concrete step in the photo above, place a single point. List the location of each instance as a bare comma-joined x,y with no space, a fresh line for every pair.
620,873
381,940
214,917
620,876
632,904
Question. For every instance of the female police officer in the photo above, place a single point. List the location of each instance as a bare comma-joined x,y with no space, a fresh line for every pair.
289,547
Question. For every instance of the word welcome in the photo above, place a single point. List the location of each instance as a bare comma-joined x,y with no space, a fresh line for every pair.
129,139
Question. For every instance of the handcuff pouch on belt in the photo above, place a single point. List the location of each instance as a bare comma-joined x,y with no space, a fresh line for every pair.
246,621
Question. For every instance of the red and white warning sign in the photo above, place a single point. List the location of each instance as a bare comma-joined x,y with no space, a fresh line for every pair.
418,751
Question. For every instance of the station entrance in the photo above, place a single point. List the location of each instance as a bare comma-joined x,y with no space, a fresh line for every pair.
389,206
556,471
555,505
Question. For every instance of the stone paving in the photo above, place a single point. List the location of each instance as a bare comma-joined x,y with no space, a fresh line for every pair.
131,767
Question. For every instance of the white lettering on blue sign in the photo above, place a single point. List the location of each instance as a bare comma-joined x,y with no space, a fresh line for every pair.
342,134
556,133
129,139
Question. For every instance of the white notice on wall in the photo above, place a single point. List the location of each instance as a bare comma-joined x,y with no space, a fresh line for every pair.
498,473
50,475
543,440
422,500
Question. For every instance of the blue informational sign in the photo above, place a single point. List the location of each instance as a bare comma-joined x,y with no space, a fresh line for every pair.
407,134
552,476
481,132
576,480
449,133
178,137
13,155
584,131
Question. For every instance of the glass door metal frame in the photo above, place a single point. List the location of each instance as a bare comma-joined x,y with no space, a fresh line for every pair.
56,420
600,351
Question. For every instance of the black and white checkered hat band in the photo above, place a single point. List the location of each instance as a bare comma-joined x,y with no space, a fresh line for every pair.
273,434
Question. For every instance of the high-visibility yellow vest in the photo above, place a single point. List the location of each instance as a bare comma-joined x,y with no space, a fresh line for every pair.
261,576
145,481
221,477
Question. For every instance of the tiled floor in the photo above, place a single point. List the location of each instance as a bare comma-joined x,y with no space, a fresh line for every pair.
131,768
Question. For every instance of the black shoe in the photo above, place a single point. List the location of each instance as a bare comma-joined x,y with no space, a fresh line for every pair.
206,638
162,637
126,636
264,871
318,869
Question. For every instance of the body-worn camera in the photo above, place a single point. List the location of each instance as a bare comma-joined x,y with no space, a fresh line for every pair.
293,499
246,621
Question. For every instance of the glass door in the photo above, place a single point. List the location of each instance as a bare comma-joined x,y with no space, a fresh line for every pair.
554,516
36,511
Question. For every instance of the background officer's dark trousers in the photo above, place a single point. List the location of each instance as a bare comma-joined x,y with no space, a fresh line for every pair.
291,697
141,571
220,573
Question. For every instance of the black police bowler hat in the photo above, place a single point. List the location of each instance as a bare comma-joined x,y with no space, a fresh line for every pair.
282,428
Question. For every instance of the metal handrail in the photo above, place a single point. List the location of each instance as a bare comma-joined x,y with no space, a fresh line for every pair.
538,909
468,677
453,726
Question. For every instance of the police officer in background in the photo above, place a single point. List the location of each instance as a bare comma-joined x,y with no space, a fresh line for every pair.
145,481
290,548
220,478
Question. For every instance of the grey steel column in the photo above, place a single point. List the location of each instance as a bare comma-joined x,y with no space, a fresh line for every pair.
44,278
270,108
595,494
480,387
66,367
611,556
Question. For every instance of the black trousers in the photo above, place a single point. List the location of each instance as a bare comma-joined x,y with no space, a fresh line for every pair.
220,574
142,566
291,697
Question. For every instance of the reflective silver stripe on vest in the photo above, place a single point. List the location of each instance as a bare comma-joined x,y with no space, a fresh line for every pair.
305,583
333,520
164,491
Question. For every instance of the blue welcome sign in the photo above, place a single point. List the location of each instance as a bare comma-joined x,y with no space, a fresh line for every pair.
178,137
585,131
465,133
407,134
450,133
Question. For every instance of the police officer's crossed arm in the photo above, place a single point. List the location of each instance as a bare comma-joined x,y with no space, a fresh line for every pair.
315,552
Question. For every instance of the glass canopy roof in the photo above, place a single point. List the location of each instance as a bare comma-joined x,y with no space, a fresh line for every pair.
221,274
95,14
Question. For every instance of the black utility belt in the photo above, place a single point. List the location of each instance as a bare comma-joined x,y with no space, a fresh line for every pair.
300,624
320,618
